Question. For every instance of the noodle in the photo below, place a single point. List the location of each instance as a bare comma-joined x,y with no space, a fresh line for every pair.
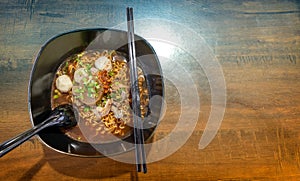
100,91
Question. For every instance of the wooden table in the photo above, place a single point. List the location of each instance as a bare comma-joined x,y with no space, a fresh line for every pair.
256,44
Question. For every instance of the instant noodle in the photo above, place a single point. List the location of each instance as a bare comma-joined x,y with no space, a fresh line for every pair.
97,84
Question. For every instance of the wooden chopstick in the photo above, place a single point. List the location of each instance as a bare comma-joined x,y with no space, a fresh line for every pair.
138,126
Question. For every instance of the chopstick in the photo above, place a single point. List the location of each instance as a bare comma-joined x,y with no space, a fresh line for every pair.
140,155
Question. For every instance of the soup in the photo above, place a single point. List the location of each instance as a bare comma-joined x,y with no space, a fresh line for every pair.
97,84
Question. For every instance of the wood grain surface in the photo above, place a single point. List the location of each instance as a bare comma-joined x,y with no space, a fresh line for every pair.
257,44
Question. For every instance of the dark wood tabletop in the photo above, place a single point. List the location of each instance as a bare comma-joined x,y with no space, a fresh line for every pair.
231,68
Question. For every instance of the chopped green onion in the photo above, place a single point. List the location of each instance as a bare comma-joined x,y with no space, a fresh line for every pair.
91,84
79,90
57,91
80,96
111,73
91,90
55,96
86,109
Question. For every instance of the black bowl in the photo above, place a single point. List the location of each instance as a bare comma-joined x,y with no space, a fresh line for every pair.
54,52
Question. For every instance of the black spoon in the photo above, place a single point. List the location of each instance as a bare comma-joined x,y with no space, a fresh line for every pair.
62,116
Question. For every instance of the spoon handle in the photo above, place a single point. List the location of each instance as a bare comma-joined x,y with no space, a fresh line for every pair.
10,144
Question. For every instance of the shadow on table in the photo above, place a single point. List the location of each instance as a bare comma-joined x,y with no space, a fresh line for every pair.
84,168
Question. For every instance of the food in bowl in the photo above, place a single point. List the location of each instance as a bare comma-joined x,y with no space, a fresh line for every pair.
97,84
